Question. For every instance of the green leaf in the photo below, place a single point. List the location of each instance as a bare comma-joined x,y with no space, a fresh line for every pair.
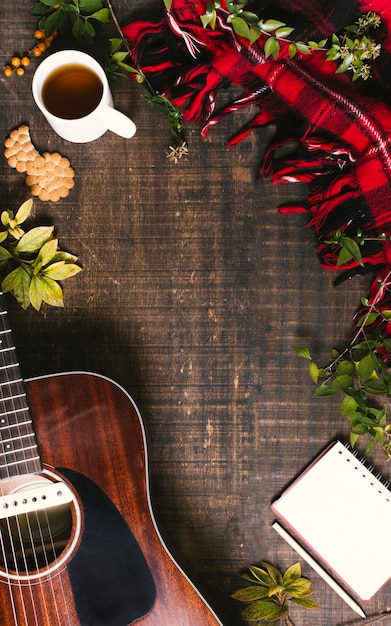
283,32
342,383
57,19
115,44
370,445
24,211
4,254
299,588
254,33
46,253
263,610
250,17
313,371
271,25
103,15
167,4
307,603
353,439
344,367
275,590
61,270
368,319
322,391
375,387
352,248
89,6
302,47
272,47
292,50
44,289
249,594
348,405
240,27
365,367
18,283
292,573
34,239
345,65
119,56
261,575
302,351
273,572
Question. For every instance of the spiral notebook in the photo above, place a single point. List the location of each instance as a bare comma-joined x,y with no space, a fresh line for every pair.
341,512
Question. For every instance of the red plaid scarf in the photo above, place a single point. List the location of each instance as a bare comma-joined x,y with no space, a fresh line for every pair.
341,128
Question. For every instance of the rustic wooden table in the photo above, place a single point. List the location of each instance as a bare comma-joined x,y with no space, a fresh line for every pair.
193,291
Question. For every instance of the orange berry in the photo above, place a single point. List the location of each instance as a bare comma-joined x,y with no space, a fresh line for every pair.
7,70
15,61
39,34
42,46
47,42
36,51
20,71
25,61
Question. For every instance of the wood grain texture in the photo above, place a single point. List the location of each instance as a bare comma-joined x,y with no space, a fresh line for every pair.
193,291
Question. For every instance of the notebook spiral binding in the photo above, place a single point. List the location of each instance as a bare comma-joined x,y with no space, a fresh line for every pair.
380,479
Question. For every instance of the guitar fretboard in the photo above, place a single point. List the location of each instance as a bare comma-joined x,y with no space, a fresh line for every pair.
18,447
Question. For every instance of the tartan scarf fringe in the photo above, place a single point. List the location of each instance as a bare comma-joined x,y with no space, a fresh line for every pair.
340,133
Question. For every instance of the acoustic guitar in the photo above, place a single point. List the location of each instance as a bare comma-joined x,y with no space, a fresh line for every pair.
78,540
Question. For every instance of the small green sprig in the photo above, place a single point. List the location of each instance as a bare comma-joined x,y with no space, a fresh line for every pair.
352,50
360,374
271,591
356,46
78,15
30,262
349,247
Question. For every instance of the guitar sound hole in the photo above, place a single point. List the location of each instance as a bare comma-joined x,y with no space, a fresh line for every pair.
32,541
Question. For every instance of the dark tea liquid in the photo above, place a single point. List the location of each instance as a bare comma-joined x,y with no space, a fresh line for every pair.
72,91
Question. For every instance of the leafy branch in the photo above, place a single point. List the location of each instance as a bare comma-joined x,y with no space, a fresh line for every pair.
349,247
350,49
31,263
271,591
79,15
360,372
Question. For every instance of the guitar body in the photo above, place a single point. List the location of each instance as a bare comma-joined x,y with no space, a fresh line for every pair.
89,426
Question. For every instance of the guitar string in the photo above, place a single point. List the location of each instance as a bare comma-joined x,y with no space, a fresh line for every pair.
5,329
25,460
6,422
20,533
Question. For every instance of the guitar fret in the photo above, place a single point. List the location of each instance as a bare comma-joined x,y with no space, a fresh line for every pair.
11,439
16,397
16,425
11,382
17,450
16,410
24,461
18,447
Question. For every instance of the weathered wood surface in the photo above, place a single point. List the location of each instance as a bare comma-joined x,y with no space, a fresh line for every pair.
193,292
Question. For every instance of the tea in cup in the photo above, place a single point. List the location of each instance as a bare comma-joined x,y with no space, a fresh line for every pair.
72,91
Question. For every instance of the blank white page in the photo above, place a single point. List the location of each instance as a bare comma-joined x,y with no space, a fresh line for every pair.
342,512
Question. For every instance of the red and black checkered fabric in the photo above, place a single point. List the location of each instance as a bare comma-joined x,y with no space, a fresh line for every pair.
341,129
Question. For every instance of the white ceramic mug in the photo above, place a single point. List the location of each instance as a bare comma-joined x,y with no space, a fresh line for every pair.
89,126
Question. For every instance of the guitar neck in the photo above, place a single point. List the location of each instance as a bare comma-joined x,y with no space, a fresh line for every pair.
19,454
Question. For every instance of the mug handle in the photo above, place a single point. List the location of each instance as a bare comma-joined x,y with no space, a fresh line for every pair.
118,123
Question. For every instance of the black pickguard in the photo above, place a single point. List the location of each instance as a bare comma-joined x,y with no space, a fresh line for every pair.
111,582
